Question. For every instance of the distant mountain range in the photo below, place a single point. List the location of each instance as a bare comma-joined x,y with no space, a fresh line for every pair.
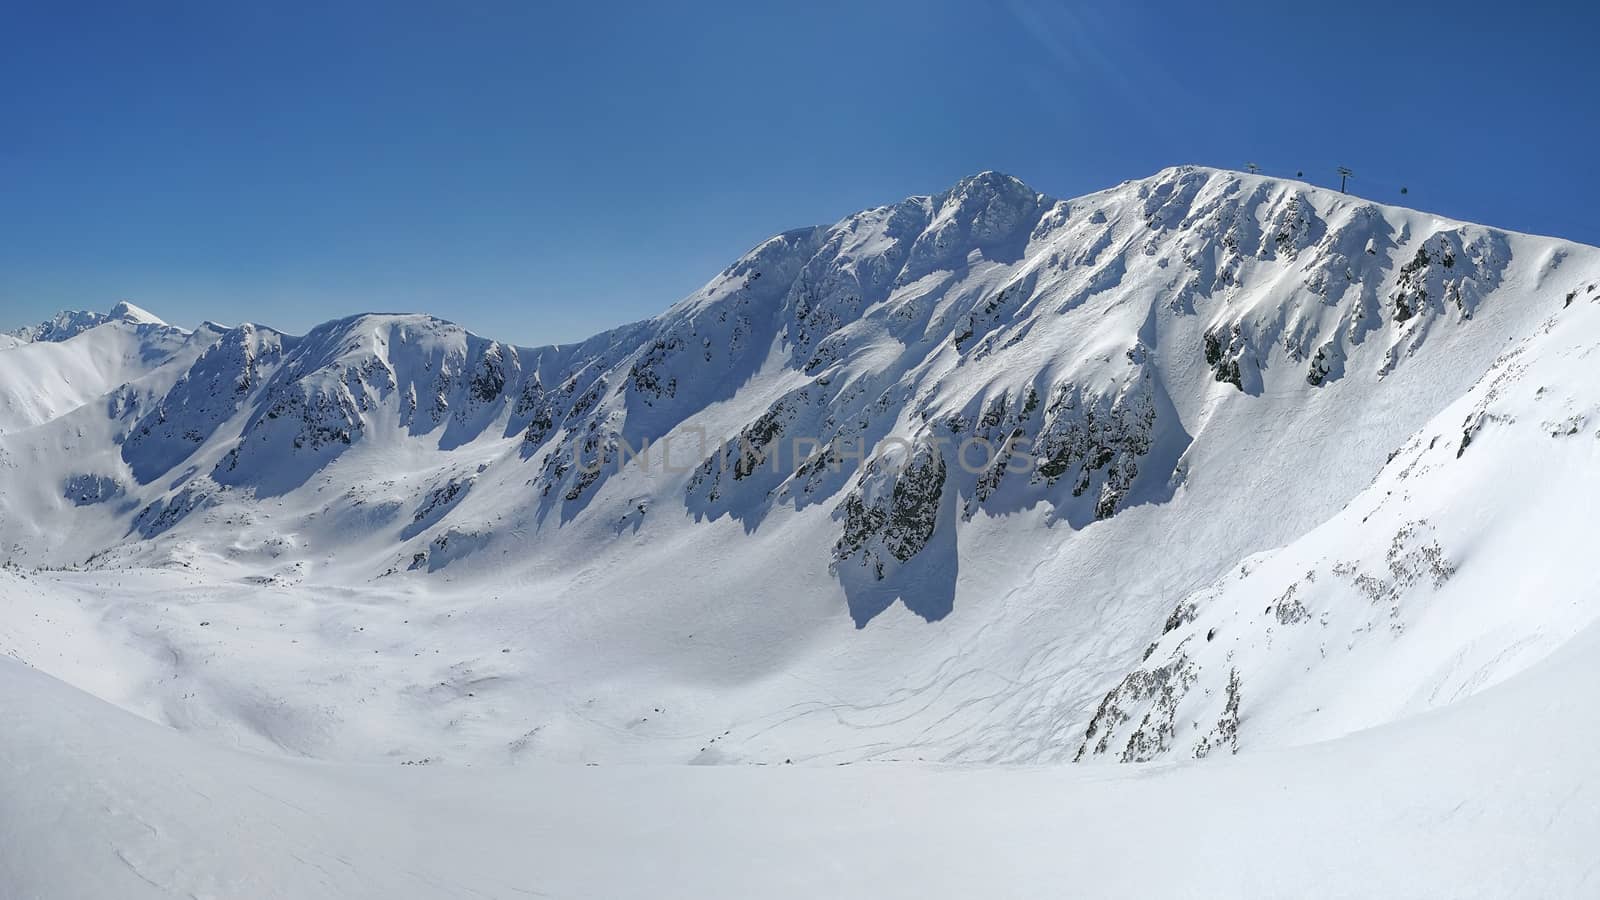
69,324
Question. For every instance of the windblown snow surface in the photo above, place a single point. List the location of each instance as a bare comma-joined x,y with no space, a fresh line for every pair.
1274,578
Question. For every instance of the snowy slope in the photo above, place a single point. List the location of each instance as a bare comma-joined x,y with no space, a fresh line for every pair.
1202,366
1490,798
1262,464
1259,466
1465,561
45,379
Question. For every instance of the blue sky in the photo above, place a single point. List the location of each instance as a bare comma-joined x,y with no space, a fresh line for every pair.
540,172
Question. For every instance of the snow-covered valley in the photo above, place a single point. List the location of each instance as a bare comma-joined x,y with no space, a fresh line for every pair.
1275,494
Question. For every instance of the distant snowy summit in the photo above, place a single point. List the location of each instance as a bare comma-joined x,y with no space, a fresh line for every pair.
68,324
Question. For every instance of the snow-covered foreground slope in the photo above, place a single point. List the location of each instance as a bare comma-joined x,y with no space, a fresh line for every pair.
1203,464
1467,559
1493,797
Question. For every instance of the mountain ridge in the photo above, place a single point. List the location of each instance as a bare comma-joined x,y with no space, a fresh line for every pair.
76,320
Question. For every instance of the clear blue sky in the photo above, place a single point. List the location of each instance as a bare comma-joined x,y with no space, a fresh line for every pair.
538,172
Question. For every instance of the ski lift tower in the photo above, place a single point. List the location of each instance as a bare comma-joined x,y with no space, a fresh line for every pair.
1252,167
1343,175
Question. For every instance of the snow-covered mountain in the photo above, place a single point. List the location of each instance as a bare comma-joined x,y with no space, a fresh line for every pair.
983,476
1204,464
48,376
68,324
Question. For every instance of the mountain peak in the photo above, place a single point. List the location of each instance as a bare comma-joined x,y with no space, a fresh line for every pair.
991,179
127,312
985,186
69,323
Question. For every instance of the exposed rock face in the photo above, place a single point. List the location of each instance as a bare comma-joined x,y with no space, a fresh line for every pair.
163,514
892,513
1188,695
87,490
1097,441
1147,699
437,504
1450,271
214,389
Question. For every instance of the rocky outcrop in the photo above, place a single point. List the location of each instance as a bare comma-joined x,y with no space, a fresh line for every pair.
1096,442
893,511
87,490
167,512
1187,697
